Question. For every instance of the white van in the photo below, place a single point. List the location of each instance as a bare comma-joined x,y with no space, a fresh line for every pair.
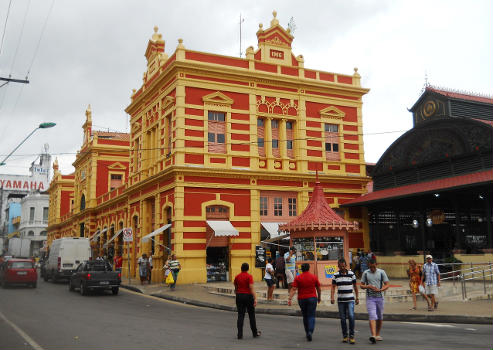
65,256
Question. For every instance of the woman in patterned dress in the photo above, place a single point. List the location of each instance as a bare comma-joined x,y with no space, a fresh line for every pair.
414,272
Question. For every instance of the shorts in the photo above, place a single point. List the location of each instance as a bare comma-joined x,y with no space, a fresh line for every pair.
290,276
269,281
374,306
431,289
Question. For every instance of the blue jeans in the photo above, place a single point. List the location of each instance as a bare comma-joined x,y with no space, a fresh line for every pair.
346,310
175,277
308,310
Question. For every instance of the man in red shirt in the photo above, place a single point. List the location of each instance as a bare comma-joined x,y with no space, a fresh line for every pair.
117,262
246,300
309,294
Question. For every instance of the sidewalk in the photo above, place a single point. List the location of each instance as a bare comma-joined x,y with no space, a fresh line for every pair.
220,295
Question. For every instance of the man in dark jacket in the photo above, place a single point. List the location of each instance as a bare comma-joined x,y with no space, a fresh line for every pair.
280,276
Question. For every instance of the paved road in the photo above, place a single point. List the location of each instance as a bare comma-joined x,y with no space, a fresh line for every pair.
51,317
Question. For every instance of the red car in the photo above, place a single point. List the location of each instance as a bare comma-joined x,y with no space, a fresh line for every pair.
18,271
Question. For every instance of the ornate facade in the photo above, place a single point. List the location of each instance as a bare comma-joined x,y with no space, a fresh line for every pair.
218,147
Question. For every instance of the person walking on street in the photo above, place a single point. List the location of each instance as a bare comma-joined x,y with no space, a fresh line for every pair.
345,281
309,295
415,273
143,267
268,277
290,266
280,271
149,273
431,281
375,281
363,262
246,300
117,262
174,266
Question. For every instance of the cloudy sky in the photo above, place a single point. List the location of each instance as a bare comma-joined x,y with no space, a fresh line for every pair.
77,53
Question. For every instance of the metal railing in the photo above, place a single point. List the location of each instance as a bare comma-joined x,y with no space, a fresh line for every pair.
475,273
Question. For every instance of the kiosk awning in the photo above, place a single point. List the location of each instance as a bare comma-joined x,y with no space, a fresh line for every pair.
273,229
113,238
97,234
155,233
222,228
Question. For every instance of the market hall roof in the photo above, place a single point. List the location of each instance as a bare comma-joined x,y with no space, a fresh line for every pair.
318,215
417,189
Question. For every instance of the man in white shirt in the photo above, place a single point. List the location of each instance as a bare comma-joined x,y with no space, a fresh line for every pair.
269,279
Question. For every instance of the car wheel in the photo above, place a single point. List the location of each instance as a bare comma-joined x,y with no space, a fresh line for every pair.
82,289
115,290
70,286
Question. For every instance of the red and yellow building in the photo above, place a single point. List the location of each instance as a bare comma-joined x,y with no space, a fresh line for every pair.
218,147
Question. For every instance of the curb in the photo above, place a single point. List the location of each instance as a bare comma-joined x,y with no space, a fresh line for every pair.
328,314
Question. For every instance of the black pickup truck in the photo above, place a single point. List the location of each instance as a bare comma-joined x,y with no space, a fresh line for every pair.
95,275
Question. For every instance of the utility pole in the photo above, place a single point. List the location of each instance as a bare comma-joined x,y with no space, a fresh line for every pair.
8,80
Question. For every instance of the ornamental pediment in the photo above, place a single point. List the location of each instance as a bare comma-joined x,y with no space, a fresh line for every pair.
217,98
167,102
117,166
332,113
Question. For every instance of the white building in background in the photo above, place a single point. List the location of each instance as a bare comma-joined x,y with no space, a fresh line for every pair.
34,220
30,190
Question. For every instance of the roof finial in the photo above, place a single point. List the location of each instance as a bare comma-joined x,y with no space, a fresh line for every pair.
274,21
156,36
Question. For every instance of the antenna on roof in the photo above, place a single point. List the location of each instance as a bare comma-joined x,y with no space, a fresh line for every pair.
241,21
291,25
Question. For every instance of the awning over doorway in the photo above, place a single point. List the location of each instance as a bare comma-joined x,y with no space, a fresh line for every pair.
97,234
273,229
155,232
112,238
222,228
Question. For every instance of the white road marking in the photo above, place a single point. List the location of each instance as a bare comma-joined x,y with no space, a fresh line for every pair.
470,329
23,334
432,324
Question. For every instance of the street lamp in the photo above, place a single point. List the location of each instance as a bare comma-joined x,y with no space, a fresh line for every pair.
41,126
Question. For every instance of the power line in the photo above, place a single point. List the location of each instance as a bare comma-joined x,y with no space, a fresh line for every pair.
5,26
20,36
40,37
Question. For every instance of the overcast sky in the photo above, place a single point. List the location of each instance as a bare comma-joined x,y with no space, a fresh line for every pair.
92,52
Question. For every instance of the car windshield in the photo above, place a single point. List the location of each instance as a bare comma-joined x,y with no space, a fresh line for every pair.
21,265
98,267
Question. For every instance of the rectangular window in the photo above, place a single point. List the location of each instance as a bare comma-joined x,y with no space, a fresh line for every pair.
275,124
212,137
45,214
31,214
260,122
263,206
277,206
220,138
115,181
292,206
328,147
289,144
331,127
335,147
275,143
260,142
217,116
289,125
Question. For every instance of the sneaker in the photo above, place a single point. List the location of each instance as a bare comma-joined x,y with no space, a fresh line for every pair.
345,339
352,341
379,338
309,337
373,340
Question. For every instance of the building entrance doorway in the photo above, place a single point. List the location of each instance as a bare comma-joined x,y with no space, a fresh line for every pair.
217,261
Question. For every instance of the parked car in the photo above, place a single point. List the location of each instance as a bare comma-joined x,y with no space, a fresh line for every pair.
65,255
18,271
95,275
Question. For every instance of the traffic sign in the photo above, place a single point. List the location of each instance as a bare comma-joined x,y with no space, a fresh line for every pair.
128,235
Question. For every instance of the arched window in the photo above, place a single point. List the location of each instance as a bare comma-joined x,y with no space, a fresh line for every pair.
83,202
30,233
